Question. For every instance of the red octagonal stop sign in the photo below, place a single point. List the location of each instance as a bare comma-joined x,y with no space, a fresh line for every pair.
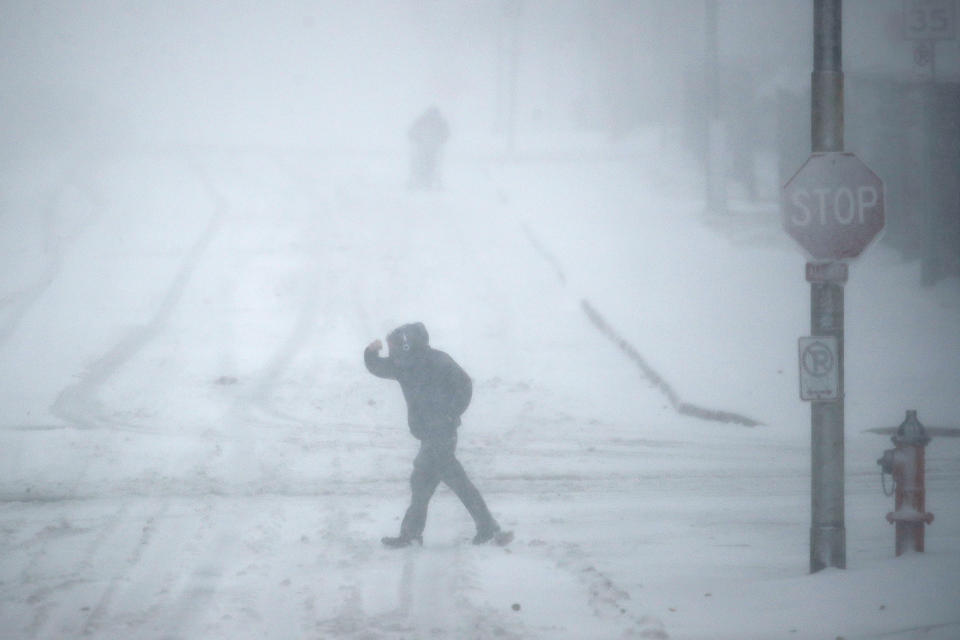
833,206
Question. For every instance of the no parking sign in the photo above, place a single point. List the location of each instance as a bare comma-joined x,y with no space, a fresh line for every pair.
819,368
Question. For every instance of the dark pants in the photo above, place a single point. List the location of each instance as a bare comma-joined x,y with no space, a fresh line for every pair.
436,463
424,166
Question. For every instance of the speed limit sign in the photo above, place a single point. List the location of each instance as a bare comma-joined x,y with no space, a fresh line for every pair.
929,19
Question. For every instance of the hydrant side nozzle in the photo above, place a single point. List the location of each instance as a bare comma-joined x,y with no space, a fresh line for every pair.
886,461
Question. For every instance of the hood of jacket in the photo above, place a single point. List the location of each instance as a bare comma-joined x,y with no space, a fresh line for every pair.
408,341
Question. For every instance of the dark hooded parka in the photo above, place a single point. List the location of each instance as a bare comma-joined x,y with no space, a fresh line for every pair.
437,392
436,389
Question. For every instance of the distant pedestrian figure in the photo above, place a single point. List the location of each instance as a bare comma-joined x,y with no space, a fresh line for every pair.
437,392
428,133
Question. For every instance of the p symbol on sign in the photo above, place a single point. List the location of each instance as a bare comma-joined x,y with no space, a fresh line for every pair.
819,368
818,360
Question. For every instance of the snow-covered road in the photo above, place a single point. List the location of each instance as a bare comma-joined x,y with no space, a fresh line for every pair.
190,446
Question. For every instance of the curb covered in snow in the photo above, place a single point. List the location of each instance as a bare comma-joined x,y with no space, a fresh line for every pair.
681,407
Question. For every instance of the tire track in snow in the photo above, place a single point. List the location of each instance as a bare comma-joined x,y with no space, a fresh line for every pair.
326,281
303,180
189,595
99,612
42,597
351,619
78,405
178,569
17,304
263,388
433,600
172,609
606,599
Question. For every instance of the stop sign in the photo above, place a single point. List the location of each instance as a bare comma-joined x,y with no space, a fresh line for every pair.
833,206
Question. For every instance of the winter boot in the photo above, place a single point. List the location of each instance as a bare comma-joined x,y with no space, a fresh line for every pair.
401,541
499,537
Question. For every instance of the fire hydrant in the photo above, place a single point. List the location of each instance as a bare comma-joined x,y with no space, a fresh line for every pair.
906,464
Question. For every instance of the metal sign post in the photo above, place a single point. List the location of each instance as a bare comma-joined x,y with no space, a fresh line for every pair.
828,534
827,528
834,208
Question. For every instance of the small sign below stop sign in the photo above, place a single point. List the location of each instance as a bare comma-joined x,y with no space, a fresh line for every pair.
833,206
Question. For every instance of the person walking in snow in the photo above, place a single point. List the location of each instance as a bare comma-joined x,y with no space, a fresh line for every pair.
428,133
437,391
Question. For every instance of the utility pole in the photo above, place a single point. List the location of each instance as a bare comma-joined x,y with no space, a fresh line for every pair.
508,71
827,529
924,23
715,169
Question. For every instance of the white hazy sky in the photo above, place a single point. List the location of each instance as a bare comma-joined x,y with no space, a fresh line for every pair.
350,73
289,70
